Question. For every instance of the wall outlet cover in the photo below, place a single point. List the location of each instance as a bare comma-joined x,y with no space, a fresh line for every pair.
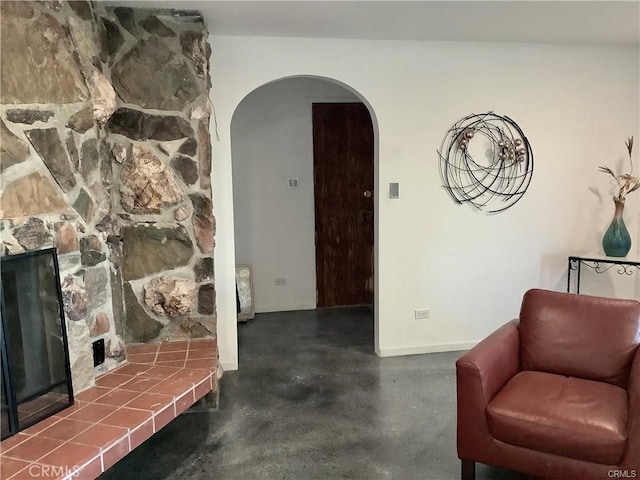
98,352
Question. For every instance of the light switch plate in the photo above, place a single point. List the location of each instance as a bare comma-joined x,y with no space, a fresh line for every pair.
394,190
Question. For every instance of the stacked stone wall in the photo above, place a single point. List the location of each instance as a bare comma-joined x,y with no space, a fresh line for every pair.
160,136
104,154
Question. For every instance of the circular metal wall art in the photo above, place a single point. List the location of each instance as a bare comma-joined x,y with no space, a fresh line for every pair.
486,160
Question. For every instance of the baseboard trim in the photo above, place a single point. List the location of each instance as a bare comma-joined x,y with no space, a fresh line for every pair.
421,349
229,366
284,308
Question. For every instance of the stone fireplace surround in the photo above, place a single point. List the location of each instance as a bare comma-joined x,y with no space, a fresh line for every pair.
105,154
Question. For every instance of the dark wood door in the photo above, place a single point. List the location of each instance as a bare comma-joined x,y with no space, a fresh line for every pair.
343,177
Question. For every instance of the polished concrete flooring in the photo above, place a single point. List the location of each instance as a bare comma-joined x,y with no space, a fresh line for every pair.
311,400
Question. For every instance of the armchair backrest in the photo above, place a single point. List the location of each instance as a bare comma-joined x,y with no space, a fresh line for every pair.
581,336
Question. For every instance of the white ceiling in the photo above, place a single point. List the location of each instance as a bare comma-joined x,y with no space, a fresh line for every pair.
476,20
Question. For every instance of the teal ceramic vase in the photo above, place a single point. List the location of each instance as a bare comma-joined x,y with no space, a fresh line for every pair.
617,241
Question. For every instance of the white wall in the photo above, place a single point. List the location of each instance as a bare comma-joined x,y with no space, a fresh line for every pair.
577,105
271,141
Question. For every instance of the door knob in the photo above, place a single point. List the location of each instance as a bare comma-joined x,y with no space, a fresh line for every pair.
367,194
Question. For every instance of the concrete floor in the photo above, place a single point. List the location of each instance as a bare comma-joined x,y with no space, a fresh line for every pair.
311,400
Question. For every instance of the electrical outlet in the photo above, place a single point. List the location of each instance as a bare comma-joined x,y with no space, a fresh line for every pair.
422,313
98,352
280,281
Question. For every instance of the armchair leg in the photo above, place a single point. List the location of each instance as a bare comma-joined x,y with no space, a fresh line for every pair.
468,470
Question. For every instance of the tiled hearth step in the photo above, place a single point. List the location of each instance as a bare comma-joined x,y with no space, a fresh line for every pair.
126,407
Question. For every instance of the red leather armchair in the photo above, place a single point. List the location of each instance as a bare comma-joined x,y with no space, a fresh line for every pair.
555,394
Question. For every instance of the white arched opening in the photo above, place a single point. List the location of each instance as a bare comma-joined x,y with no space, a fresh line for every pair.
277,118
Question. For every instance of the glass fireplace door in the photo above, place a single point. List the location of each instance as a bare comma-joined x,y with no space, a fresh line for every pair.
36,378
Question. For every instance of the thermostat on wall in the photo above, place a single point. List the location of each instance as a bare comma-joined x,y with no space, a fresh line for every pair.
293,182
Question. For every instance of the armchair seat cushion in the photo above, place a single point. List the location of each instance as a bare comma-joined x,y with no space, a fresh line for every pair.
566,416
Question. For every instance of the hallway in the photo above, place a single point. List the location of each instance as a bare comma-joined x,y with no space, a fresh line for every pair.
311,400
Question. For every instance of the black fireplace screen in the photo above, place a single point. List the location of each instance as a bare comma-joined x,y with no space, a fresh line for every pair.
36,378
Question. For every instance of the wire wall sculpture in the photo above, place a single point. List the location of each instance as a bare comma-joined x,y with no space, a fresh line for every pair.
494,180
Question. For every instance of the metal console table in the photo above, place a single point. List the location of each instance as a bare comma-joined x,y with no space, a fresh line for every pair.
599,264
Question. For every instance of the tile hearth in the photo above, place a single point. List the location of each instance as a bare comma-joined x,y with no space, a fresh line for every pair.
126,407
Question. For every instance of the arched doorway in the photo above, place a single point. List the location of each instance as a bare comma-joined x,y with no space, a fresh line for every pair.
272,150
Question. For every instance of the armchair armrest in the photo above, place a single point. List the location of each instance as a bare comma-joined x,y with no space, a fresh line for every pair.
480,374
631,459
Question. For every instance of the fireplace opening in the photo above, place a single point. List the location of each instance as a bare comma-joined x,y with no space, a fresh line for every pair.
36,376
